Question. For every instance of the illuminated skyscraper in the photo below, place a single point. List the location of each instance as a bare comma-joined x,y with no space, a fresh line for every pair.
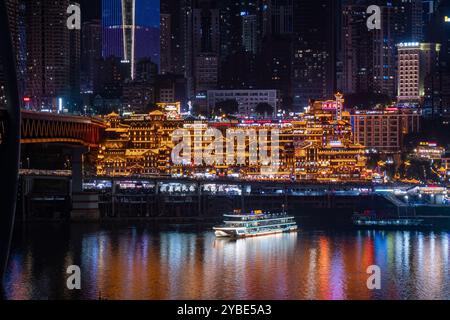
131,30
49,54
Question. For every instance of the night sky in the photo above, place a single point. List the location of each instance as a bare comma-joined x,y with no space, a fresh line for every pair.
90,9
147,11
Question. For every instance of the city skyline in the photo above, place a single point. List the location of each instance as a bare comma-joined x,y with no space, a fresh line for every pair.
225,149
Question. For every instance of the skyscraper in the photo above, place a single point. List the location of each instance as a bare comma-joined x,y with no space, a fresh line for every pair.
250,32
417,65
48,54
314,50
202,47
173,17
91,53
369,57
12,7
356,50
74,102
166,43
282,16
131,30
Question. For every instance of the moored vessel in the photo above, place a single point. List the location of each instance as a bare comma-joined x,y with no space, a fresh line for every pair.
374,222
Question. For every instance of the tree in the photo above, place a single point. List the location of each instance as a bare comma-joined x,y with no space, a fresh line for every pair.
366,100
228,107
264,109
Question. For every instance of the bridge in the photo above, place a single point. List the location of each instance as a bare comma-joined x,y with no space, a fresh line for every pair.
41,127
76,132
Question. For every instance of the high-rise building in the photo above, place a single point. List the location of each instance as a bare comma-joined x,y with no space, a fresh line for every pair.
131,30
171,88
276,64
48,55
12,7
202,47
282,16
369,57
173,17
356,50
206,72
418,64
166,43
91,53
250,32
74,103
314,50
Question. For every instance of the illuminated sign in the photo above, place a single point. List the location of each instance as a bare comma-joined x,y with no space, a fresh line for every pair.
172,110
329,105
26,99
447,19
408,44
336,143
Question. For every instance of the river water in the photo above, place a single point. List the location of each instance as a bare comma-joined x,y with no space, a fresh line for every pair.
178,263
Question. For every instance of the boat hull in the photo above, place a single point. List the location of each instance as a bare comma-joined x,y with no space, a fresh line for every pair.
229,233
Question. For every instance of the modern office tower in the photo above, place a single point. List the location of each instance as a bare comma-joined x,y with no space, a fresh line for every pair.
369,57
170,88
91,53
356,50
166,43
48,55
173,18
276,64
384,52
202,47
282,16
22,49
314,50
231,24
418,64
247,99
417,20
250,32
206,72
131,30
109,77
441,34
12,6
138,96
439,30
74,103
240,43
146,70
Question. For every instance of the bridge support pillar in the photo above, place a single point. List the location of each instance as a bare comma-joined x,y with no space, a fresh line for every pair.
84,204
77,169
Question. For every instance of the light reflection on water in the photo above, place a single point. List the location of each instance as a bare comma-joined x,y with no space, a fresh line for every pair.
138,263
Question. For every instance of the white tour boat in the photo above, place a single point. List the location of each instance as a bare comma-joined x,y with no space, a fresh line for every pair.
255,223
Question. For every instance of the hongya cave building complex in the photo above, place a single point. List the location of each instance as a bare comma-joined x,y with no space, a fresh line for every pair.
317,145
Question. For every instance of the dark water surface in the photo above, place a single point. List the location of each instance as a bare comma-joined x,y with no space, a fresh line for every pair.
141,263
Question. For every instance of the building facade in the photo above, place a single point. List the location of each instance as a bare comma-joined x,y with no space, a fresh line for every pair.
384,131
91,53
52,53
316,147
418,64
247,99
